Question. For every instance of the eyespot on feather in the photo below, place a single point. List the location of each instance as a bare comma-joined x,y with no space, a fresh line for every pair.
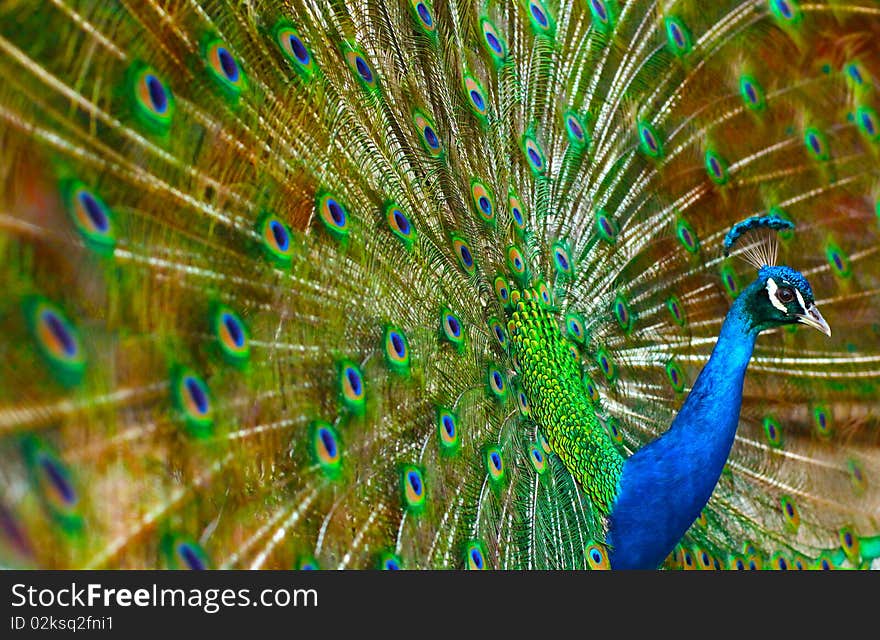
790,513
451,328
334,215
413,488
687,236
56,339
447,431
307,563
730,281
516,263
183,553
92,218
649,141
475,95
224,67
716,167
822,421
675,376
360,68
152,99
502,290
516,211
534,155
540,17
868,122
622,314
816,144
352,390
606,364
277,241
390,562
295,50
752,93
492,41
232,335
400,225
483,201
423,15
522,402
475,556
53,482
591,389
497,331
537,458
396,348
597,557
606,226
193,400
574,327
678,36
786,12
464,255
578,136
325,447
427,131
676,311
545,297
773,431
496,383
562,259
494,464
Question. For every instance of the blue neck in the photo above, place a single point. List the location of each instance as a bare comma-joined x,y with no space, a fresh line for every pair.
665,485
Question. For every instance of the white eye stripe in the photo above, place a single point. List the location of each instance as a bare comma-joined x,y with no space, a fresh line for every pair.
771,292
801,301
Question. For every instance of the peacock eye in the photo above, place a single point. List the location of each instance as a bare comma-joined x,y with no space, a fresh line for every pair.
785,294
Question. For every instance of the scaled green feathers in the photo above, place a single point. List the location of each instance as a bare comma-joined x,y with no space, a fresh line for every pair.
558,401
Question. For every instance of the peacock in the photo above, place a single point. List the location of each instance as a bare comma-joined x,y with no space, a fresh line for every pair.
440,284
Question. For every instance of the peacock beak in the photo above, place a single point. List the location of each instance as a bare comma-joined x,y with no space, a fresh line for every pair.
814,319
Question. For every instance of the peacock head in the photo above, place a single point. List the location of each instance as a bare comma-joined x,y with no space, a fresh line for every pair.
780,296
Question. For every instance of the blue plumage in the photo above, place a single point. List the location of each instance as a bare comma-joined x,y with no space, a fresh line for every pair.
665,484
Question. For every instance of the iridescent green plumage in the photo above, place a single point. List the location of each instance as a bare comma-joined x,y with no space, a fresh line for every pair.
551,379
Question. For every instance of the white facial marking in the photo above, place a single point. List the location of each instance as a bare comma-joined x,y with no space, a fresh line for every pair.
801,300
771,291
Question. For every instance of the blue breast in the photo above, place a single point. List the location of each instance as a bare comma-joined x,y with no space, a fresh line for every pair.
666,484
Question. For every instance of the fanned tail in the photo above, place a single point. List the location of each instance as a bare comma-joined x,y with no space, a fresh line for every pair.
259,264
